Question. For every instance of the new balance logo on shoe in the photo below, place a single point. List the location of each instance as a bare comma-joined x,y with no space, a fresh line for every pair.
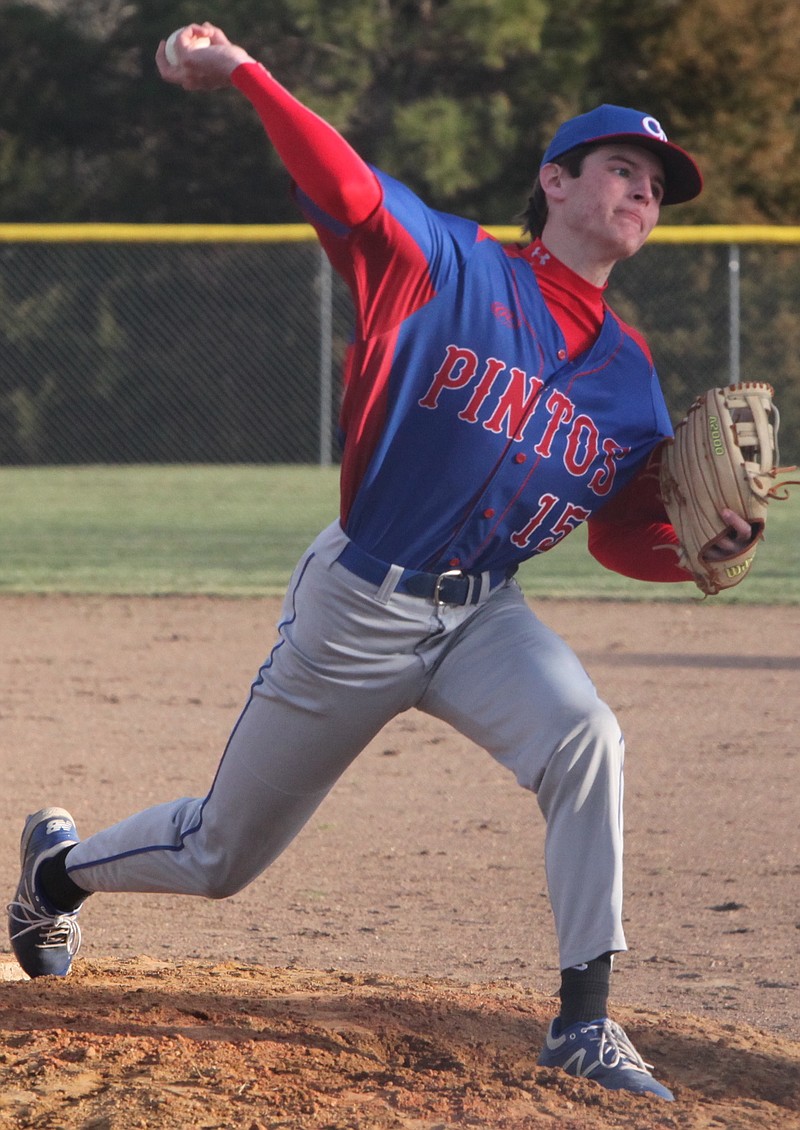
58,826
576,1063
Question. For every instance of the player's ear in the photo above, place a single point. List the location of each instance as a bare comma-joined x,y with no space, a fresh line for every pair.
551,178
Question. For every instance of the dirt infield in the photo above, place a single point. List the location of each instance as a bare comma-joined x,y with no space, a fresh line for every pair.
395,968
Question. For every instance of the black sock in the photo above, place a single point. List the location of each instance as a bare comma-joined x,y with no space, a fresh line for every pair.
584,991
56,885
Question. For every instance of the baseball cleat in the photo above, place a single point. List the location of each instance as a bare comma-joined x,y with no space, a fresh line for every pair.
601,1051
44,939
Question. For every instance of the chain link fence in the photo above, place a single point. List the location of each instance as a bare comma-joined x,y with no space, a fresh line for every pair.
142,345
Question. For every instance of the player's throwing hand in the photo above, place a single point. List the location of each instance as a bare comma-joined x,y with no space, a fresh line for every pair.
206,67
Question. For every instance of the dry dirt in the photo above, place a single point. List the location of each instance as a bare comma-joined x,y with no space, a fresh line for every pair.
395,969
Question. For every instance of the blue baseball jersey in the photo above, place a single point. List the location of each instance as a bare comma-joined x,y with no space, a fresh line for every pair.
470,439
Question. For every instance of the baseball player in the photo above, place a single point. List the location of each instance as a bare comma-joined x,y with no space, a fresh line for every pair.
492,403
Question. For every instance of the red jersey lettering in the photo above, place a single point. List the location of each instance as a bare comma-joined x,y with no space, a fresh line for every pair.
457,370
493,368
516,405
582,445
561,410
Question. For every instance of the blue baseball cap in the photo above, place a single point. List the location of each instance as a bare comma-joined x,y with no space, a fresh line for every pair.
608,123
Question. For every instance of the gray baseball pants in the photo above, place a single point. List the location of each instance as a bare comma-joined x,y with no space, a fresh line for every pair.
349,657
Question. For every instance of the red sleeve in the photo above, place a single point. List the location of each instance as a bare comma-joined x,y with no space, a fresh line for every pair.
319,160
632,534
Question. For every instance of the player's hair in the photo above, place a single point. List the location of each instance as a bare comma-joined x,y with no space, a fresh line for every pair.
534,216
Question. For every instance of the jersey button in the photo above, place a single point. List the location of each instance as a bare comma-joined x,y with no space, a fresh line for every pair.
520,457
488,513
454,562
562,355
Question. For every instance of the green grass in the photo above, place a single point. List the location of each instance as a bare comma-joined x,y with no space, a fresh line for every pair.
238,530
233,530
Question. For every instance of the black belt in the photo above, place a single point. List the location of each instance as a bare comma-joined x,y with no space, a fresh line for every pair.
451,587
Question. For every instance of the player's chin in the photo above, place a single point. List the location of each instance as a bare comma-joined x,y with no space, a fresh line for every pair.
628,242
630,233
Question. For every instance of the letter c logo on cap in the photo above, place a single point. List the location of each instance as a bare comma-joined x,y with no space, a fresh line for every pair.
653,127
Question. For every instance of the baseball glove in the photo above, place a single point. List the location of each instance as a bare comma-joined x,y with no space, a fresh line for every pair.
724,455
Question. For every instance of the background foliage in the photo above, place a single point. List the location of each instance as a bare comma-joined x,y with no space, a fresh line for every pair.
456,97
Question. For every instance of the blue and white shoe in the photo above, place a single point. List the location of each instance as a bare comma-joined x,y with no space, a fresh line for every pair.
44,939
600,1050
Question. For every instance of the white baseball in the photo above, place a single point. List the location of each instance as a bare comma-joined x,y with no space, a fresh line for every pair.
169,46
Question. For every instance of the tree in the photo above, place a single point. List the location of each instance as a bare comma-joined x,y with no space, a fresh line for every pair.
725,76
456,97
427,89
52,90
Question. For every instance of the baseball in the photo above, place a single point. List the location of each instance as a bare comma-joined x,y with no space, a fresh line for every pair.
169,46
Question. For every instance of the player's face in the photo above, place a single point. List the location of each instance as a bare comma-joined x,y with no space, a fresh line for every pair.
615,202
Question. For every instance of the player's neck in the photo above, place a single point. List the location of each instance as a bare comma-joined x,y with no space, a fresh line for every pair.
579,254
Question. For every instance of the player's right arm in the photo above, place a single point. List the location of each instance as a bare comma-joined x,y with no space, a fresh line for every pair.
394,253
323,165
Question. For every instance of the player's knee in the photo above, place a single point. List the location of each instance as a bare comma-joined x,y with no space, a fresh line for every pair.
603,728
224,872
222,885
596,743
588,760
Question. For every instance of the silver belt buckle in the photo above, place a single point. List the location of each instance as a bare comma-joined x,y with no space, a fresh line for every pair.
437,590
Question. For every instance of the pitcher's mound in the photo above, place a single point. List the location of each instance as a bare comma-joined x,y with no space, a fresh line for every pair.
144,1043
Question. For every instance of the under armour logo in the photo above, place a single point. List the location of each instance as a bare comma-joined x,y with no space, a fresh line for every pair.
542,255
